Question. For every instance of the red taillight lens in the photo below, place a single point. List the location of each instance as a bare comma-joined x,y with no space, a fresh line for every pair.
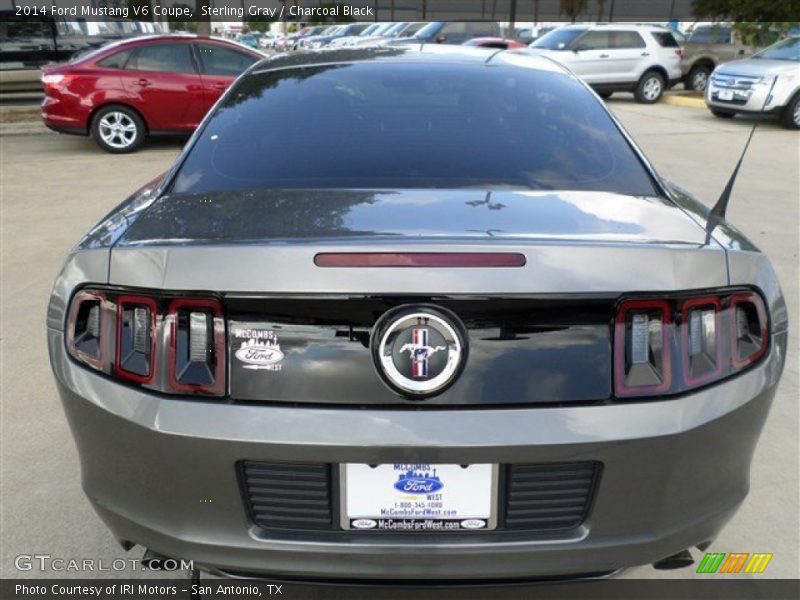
643,334
196,358
136,338
87,330
171,345
655,337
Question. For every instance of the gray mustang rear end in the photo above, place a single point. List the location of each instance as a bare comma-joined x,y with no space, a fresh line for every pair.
410,314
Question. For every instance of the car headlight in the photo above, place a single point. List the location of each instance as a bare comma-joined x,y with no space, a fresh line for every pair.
764,81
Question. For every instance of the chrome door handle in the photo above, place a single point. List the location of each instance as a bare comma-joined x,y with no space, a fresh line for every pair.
604,56
143,82
645,54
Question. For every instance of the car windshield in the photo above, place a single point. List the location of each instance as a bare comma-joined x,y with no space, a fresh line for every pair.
788,49
428,30
408,125
558,39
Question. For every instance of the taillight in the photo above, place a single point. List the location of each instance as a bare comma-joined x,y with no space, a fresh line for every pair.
56,81
642,332
750,335
166,344
87,330
669,345
136,338
701,342
196,346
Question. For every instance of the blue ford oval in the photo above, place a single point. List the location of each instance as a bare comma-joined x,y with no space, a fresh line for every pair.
418,485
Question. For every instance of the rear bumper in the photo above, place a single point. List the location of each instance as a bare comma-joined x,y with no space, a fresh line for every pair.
674,473
65,115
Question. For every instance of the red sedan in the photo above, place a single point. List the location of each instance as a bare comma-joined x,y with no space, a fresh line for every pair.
125,91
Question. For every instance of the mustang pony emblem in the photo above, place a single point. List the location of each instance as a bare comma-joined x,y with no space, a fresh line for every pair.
420,351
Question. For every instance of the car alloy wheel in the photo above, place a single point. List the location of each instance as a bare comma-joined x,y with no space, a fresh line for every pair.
118,130
651,90
796,114
699,80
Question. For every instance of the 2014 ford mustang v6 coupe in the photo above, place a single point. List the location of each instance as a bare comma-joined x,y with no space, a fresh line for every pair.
415,314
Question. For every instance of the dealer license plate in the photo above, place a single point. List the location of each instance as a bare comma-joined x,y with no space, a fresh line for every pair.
725,94
419,497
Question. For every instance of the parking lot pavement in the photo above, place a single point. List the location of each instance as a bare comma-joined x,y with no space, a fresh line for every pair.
55,187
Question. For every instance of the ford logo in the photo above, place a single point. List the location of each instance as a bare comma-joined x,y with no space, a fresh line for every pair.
364,524
259,355
473,523
418,485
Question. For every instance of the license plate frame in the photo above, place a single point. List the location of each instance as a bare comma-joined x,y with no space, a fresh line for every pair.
491,521
725,95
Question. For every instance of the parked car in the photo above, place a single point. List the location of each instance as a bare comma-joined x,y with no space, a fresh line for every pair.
365,33
307,41
448,256
342,31
410,29
27,43
495,42
250,40
706,47
452,32
126,91
305,33
643,59
768,82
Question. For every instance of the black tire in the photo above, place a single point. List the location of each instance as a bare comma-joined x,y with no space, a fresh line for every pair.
650,88
790,117
722,114
605,95
697,79
130,135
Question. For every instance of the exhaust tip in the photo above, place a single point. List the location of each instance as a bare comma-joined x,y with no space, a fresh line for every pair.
677,561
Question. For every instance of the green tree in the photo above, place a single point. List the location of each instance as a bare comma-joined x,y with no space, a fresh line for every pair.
572,8
757,22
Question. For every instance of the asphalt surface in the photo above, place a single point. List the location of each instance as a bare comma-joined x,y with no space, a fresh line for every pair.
55,187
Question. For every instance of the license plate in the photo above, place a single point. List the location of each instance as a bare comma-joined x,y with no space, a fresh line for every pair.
419,497
725,94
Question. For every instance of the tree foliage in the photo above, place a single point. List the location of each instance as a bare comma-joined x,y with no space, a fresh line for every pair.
757,22
572,8
757,11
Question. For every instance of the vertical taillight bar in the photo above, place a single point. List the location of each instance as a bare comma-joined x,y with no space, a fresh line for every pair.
136,338
87,329
196,357
701,340
642,348
749,329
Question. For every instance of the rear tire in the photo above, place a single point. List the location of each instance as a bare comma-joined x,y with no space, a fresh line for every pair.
722,114
650,88
605,95
118,129
790,117
697,79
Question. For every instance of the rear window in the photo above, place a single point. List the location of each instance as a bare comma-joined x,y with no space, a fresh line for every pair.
115,61
665,39
713,34
168,58
377,126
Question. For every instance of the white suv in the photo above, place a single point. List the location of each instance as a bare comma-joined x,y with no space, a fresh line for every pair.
643,59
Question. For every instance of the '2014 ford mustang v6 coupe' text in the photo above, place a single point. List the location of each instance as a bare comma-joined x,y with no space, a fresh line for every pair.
415,314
